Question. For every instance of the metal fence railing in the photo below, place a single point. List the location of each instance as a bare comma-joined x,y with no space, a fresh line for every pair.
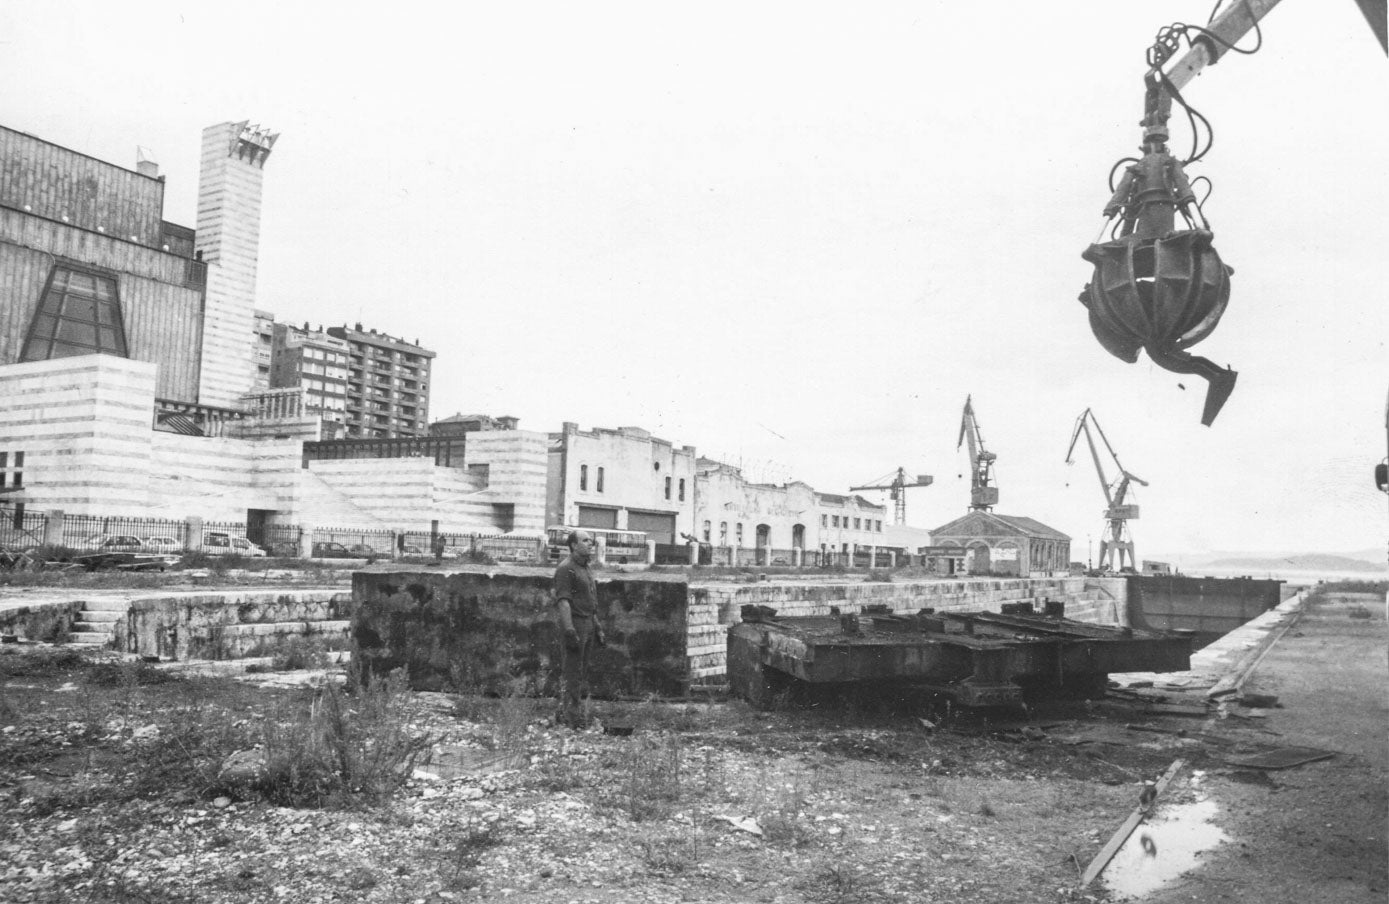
367,542
20,529
283,540
449,545
90,532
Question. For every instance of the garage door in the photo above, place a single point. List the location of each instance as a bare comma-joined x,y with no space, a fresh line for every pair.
593,516
659,526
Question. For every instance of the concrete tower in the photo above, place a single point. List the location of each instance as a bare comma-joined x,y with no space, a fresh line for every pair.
228,240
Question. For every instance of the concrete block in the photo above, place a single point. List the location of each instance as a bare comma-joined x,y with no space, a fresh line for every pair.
475,630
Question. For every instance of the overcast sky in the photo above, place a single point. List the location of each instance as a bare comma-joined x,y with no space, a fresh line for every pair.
795,236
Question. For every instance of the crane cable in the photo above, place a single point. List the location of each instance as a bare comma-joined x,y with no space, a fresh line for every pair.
1165,45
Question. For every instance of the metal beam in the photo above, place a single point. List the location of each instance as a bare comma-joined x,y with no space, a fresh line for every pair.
1236,22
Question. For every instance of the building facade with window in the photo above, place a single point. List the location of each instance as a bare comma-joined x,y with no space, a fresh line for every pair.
88,265
387,384
732,512
315,362
1005,544
624,479
849,523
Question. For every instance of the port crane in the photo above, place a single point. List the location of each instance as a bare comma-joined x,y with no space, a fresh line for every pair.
897,485
983,495
1115,540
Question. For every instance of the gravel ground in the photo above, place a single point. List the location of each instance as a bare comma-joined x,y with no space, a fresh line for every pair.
702,802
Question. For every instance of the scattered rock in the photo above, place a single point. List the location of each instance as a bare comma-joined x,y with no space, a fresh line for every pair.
242,767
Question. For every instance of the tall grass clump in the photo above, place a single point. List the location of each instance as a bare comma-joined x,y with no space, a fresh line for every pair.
353,742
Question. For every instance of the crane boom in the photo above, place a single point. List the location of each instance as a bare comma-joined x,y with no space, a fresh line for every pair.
897,484
983,495
1115,541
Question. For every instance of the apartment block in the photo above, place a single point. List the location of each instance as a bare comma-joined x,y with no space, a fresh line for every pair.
311,360
387,384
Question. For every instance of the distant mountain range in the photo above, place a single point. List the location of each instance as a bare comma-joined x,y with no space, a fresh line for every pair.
1368,560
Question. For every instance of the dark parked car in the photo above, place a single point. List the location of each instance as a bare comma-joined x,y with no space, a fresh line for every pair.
332,550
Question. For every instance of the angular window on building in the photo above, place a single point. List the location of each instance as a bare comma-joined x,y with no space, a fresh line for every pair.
723,533
835,521
667,487
739,532
79,314
824,520
682,489
858,523
583,477
706,531
599,484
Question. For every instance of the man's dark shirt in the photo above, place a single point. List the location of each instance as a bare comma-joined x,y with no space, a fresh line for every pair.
574,582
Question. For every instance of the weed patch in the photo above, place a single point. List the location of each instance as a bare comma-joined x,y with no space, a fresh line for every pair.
353,741
652,767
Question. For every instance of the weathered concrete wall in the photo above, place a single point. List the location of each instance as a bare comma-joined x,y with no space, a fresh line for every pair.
1211,607
483,630
48,622
208,626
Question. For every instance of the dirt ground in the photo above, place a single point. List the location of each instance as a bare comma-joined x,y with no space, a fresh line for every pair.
1316,833
110,792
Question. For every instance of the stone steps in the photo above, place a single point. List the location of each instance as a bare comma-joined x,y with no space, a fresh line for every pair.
95,625
90,638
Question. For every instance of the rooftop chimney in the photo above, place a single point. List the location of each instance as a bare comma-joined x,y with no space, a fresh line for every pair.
145,166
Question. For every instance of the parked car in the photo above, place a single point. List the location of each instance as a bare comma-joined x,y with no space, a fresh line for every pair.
220,544
121,543
285,549
126,553
512,555
162,544
329,549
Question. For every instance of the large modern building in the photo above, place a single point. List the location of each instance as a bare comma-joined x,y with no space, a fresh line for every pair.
88,265
387,386
136,374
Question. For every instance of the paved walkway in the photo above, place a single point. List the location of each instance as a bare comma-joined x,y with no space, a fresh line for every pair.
22,597
1222,663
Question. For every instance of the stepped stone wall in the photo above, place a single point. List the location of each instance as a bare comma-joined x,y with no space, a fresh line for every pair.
219,625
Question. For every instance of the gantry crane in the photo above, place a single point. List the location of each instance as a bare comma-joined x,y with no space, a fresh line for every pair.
983,495
897,484
1115,541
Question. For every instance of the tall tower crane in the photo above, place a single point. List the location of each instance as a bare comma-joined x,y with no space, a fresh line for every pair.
897,484
1115,542
983,495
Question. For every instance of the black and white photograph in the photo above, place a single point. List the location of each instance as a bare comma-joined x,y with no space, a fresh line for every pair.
617,452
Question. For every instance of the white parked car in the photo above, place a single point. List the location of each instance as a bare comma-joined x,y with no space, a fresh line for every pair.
220,544
163,544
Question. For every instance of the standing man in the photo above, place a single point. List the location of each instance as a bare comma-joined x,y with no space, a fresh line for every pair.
576,599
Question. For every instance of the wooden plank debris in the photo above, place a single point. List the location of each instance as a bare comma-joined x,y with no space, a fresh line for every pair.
1107,852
